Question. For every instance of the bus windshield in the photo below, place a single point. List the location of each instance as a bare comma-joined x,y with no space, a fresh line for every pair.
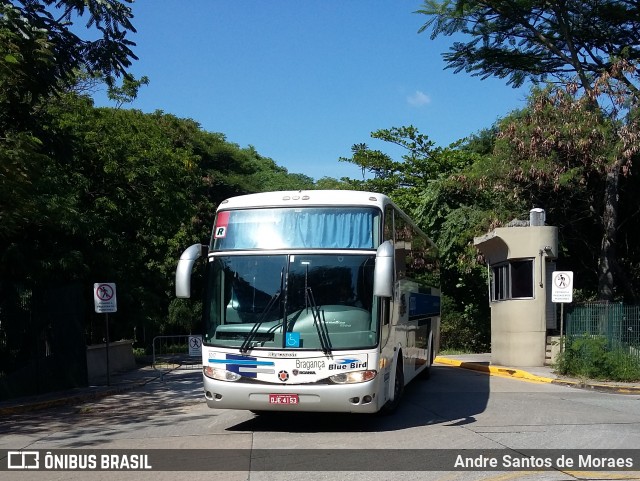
297,228
291,301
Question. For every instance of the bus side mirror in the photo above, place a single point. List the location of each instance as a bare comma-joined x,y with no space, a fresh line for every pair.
185,267
383,273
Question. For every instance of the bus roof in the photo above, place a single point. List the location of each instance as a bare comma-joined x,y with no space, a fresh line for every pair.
306,198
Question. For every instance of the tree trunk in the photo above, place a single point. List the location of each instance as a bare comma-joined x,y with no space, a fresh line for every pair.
607,265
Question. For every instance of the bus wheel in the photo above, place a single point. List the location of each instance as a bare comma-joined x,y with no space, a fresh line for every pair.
398,389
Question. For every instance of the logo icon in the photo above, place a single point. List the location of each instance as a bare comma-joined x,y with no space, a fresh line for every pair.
23,460
347,360
293,339
283,376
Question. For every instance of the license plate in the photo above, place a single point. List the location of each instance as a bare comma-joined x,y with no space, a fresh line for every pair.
283,399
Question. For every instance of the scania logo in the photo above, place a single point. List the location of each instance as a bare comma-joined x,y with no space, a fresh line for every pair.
283,376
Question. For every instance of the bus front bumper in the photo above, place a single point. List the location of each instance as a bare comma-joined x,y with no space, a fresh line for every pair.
355,398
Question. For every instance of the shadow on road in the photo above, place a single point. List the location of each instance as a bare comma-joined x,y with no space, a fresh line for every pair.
452,396
157,404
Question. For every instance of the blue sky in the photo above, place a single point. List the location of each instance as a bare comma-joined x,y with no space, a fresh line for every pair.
304,80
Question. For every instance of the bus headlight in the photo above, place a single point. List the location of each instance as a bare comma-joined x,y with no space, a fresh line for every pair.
220,374
353,377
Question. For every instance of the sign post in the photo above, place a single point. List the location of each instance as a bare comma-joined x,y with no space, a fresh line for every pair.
562,292
104,299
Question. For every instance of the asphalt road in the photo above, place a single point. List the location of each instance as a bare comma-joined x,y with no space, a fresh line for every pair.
454,411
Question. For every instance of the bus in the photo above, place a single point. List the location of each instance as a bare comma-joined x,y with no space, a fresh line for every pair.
317,300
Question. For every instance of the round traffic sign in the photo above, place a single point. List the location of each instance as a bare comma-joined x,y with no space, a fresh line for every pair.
104,292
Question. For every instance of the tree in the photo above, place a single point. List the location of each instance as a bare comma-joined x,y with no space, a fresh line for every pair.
591,48
128,91
42,55
421,163
555,153
540,41
426,184
119,195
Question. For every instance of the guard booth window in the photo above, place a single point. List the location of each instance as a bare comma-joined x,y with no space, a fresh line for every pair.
512,280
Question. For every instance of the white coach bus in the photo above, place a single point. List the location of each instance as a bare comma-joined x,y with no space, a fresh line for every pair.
315,301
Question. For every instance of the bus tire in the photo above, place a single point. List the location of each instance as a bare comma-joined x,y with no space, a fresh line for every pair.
398,389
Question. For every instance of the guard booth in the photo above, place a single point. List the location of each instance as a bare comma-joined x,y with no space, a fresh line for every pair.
520,260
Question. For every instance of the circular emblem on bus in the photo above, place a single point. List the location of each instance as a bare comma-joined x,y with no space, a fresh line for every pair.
283,376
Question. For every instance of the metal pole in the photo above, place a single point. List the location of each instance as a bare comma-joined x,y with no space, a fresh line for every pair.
561,326
106,322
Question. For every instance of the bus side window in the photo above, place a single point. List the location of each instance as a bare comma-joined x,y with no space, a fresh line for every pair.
404,238
385,303
388,224
386,310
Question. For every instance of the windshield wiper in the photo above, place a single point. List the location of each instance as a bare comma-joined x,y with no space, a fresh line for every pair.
319,322
263,317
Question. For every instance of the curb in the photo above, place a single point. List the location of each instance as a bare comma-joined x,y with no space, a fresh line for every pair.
614,389
494,370
526,376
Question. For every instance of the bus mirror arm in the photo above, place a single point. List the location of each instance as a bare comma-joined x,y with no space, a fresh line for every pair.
185,267
384,270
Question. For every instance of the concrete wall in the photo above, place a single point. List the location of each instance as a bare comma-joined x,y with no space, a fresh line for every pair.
519,326
518,333
120,359
553,349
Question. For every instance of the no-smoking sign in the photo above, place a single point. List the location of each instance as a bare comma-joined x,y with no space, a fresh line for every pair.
104,297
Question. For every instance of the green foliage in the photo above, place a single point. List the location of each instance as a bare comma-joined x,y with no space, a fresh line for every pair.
421,164
184,316
591,357
175,349
328,183
540,41
139,353
583,137
265,175
426,184
116,195
42,54
92,194
462,328
20,154
562,154
127,91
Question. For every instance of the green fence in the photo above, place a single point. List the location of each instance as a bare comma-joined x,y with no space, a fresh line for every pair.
615,324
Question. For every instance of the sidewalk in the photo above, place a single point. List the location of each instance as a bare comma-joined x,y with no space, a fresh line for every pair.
119,382
126,381
542,374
